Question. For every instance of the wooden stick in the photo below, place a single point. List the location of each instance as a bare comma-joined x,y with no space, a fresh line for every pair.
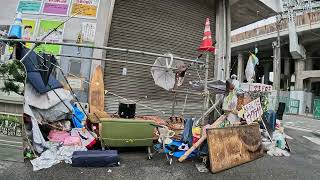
202,139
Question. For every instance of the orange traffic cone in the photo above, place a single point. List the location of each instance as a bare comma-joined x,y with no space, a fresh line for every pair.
206,44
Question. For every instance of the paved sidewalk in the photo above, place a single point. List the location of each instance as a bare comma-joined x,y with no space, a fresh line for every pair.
301,123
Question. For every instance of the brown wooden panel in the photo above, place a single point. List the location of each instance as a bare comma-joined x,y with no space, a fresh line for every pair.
233,146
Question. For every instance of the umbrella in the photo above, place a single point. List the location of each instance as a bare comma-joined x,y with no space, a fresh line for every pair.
165,77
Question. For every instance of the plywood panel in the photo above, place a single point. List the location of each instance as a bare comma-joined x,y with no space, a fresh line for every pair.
233,146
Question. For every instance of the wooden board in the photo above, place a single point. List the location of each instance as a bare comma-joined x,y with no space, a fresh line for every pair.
233,146
96,91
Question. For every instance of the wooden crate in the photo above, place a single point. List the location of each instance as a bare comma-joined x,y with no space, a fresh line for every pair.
233,146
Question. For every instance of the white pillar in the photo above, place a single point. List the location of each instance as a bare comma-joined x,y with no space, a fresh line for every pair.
228,40
240,68
223,33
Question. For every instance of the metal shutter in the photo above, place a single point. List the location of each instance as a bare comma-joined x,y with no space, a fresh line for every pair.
158,26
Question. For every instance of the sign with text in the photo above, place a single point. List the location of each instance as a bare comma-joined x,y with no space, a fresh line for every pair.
85,8
29,6
255,87
56,7
88,30
252,111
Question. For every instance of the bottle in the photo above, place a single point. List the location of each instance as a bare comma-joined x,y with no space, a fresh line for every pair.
15,31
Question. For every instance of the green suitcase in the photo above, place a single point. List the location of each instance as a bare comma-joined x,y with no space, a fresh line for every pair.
126,132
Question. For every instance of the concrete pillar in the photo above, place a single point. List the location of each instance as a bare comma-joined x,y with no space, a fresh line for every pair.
102,30
240,69
287,67
223,33
228,39
287,74
266,68
299,66
309,63
276,65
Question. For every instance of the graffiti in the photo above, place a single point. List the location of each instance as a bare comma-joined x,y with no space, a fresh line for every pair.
10,128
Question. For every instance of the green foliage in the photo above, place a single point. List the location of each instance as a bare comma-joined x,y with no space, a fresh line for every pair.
10,118
13,74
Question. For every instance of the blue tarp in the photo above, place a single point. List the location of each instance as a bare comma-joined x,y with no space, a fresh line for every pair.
78,117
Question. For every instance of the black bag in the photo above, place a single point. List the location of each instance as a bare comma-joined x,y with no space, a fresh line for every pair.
127,111
95,158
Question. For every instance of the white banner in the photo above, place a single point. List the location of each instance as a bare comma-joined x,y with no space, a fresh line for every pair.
252,111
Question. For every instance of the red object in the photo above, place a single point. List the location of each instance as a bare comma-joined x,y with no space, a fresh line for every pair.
206,44
195,139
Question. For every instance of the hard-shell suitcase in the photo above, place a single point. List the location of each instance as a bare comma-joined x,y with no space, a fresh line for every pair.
95,158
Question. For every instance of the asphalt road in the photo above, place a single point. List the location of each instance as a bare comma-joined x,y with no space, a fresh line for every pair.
304,163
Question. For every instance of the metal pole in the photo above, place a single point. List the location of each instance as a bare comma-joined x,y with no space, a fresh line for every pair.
206,92
187,92
100,47
115,60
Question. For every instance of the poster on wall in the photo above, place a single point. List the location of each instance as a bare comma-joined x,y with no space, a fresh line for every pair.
88,30
29,6
56,7
29,27
57,36
85,8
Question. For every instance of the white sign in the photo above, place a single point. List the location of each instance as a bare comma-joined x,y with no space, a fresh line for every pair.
88,31
76,83
252,111
255,87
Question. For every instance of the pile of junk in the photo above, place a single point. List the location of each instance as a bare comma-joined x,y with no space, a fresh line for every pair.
60,129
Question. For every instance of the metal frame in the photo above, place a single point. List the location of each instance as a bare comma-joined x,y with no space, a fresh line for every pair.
205,93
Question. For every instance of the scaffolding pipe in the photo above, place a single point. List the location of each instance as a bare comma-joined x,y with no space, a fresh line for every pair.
115,60
99,47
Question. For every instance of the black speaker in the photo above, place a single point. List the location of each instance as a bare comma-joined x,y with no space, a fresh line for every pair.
126,110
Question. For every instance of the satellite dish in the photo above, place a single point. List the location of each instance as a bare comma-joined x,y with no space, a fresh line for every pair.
163,74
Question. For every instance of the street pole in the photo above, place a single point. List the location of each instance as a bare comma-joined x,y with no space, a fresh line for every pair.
277,63
205,91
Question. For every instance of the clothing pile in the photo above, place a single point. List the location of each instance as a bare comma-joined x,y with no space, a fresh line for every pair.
54,123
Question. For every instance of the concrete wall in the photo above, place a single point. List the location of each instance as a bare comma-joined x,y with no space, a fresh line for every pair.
305,100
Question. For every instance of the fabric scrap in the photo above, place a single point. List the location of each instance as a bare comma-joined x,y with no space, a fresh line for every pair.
54,156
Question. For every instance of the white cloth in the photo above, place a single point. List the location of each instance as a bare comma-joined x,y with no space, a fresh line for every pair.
249,71
46,100
54,156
